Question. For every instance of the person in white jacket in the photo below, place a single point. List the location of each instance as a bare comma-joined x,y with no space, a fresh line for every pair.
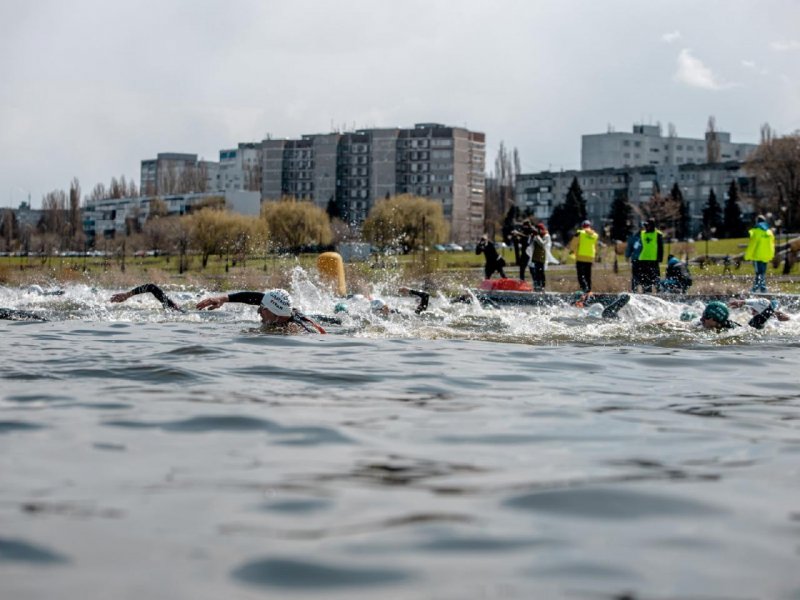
540,255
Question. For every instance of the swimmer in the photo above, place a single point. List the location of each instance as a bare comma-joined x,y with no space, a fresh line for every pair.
274,306
611,305
380,307
149,288
11,314
716,315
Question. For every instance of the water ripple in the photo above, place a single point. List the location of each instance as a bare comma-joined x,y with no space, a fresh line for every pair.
295,574
606,503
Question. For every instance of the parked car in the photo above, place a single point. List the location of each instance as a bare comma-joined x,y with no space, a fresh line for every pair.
440,248
452,247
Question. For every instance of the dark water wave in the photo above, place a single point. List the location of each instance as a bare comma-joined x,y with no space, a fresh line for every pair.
469,454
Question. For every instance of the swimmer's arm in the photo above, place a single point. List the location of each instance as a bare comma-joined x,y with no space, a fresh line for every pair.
148,288
241,297
424,297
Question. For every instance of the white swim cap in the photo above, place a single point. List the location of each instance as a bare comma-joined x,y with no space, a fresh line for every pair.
377,305
278,302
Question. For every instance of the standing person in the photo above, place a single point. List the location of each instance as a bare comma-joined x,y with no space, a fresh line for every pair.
632,252
522,238
651,255
677,279
540,249
761,250
494,262
584,245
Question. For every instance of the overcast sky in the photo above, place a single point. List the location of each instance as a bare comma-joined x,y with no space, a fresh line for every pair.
89,88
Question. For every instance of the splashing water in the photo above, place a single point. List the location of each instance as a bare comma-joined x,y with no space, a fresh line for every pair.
646,319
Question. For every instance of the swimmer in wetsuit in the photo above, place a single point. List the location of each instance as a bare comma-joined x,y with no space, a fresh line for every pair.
716,314
11,314
274,306
611,304
149,288
379,306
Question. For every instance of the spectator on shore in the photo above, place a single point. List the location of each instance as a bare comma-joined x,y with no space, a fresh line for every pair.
540,246
584,246
522,239
494,262
632,251
677,279
651,256
760,250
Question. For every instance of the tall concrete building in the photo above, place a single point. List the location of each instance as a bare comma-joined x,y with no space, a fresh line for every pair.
538,193
354,170
239,169
645,146
174,173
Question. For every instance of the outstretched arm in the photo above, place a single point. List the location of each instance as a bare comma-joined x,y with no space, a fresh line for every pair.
242,297
151,288
424,297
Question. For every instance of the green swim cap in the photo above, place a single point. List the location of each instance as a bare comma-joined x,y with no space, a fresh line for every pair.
340,307
716,310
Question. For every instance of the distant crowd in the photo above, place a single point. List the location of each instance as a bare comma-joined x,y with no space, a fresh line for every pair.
644,251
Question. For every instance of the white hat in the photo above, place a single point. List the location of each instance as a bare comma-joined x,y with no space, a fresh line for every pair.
278,302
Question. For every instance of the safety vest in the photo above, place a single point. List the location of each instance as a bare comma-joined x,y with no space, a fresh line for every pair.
761,247
649,245
587,245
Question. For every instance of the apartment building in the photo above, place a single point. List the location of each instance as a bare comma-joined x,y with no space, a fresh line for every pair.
175,173
538,193
646,146
110,217
239,169
356,169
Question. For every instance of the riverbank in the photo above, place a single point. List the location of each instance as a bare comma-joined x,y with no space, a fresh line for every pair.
446,272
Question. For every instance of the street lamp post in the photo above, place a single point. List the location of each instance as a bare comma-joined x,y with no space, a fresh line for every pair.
786,264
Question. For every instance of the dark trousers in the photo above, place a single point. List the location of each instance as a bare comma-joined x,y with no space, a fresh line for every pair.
490,268
584,270
537,273
649,274
636,275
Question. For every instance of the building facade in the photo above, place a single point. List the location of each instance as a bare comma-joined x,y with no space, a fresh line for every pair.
539,193
352,171
645,146
110,217
176,173
239,169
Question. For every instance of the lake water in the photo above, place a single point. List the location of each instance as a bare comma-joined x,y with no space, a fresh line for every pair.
468,454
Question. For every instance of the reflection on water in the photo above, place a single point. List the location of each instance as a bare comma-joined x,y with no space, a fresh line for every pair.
470,453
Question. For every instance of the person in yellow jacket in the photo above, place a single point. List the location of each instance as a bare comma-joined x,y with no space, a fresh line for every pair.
761,250
584,246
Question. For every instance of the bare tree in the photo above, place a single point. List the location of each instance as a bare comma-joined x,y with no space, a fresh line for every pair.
98,192
8,228
54,221
500,188
666,210
776,166
75,226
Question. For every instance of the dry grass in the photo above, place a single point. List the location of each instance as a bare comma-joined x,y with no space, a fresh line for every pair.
361,277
